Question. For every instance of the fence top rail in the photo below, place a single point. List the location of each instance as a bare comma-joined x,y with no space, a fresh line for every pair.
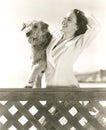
62,93
53,89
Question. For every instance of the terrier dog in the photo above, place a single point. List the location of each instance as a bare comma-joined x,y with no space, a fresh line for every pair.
39,38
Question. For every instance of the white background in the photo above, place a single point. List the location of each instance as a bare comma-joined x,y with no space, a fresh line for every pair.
14,49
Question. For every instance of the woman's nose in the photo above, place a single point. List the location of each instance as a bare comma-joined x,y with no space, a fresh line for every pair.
64,21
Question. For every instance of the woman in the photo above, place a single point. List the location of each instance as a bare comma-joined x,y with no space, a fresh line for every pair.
76,34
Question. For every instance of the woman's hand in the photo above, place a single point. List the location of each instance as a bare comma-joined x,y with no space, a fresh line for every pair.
91,22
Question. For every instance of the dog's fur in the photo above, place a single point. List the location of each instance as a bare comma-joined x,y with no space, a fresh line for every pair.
39,37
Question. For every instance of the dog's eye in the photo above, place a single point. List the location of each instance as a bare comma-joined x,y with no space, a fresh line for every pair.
35,26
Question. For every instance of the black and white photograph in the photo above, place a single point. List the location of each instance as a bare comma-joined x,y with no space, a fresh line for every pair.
52,65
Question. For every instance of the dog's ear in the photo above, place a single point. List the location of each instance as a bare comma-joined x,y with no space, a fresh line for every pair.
44,26
27,24
23,26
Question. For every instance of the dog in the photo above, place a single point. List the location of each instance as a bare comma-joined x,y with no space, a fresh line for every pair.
39,38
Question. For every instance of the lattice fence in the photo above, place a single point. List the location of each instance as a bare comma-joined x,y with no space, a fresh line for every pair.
53,109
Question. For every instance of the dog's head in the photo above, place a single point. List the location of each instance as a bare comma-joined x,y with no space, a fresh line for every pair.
37,33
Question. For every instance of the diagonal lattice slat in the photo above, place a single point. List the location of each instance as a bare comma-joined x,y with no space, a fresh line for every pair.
49,117
89,117
64,111
11,118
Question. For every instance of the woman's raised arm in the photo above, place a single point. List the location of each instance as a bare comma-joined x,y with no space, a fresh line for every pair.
93,30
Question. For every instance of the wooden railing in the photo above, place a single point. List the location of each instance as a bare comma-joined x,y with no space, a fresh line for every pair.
53,109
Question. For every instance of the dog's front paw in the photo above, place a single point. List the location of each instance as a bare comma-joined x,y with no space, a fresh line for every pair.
29,86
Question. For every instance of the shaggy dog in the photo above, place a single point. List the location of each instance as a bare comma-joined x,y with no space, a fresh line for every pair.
39,38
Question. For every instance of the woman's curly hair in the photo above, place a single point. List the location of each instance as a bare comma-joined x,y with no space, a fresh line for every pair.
82,22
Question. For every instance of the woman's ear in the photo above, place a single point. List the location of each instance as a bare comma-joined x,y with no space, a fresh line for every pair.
76,28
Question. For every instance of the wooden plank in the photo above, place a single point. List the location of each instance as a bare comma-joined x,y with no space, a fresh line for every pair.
57,93
51,89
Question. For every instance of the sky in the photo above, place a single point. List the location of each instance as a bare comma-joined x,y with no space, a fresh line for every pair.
15,51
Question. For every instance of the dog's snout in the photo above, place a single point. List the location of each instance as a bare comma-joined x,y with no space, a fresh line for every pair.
28,33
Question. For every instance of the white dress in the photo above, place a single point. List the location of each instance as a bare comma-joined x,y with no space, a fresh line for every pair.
60,59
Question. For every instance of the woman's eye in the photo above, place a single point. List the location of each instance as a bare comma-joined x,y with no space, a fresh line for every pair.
65,18
69,19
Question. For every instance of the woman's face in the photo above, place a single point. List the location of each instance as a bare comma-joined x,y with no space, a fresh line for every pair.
69,23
